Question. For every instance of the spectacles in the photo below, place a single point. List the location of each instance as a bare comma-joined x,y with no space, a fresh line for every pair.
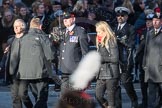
6,3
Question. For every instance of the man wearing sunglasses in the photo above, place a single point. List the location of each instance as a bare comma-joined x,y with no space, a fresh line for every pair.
125,35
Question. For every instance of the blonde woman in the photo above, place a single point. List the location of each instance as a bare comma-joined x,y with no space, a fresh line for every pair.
107,78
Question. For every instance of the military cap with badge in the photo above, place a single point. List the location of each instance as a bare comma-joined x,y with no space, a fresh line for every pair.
122,11
67,15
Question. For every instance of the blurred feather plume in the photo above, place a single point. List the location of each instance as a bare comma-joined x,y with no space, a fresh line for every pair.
86,70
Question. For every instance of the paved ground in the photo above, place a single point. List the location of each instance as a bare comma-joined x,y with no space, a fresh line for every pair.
5,98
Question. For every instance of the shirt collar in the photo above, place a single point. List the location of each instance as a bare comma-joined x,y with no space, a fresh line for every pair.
158,29
121,25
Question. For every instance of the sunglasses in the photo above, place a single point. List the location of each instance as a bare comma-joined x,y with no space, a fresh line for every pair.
118,15
6,3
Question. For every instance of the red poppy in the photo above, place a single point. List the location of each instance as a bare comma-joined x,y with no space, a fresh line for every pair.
71,32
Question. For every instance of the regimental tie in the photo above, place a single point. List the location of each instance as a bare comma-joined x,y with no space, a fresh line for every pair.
156,31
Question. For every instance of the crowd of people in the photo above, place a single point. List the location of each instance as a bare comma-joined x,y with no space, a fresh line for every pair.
45,39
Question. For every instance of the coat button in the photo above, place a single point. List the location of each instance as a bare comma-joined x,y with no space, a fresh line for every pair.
63,51
109,55
64,43
62,58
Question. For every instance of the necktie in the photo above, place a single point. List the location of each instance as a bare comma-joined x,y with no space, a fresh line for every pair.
119,28
155,31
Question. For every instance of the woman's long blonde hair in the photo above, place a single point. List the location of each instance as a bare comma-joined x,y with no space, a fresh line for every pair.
110,35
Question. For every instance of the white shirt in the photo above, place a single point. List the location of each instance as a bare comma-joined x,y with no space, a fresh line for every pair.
121,25
70,28
157,30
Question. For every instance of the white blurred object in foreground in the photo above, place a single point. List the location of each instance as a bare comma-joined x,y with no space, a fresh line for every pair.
86,70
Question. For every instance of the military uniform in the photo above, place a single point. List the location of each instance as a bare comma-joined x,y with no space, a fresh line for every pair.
125,35
73,47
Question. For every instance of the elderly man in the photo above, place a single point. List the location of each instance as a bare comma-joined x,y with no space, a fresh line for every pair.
152,61
72,49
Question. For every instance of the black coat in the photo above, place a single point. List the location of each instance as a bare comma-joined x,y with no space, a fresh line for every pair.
126,43
110,61
72,49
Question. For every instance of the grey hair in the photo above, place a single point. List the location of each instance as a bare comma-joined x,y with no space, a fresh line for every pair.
23,24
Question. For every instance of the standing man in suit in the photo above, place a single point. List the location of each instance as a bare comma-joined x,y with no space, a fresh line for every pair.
72,48
152,62
125,35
